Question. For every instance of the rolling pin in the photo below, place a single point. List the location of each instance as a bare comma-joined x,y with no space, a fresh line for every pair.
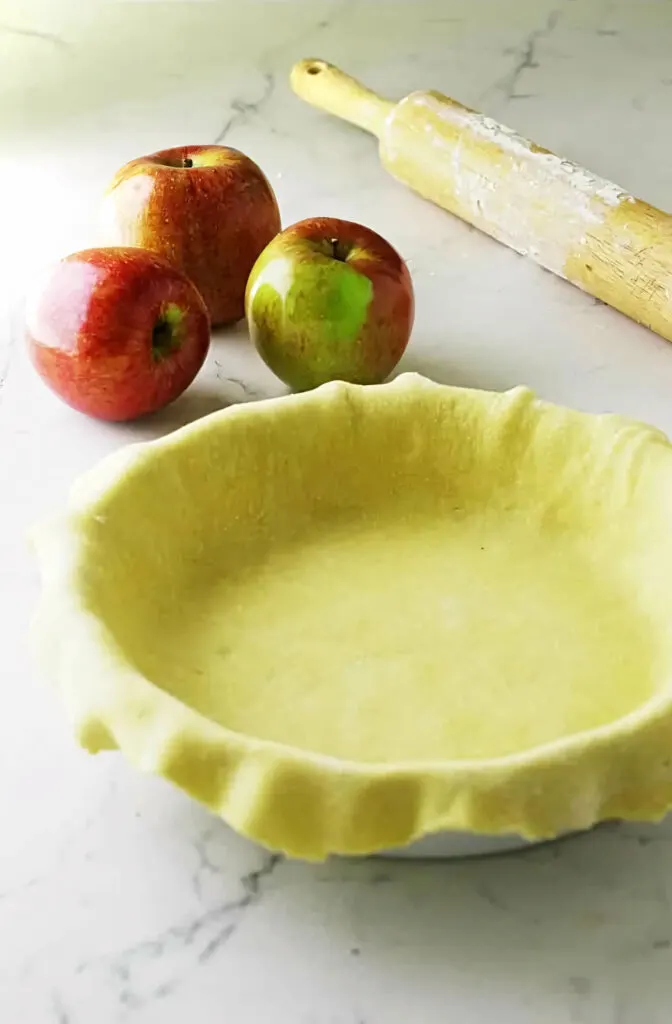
579,226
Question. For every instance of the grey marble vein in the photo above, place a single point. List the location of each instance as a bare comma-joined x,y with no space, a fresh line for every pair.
492,898
31,883
274,56
30,33
204,936
249,391
527,59
216,943
245,108
206,865
272,62
60,1014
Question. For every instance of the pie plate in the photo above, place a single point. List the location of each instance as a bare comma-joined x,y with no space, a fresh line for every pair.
349,619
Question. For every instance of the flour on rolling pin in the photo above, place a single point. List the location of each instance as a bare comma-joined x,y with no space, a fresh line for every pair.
523,195
580,226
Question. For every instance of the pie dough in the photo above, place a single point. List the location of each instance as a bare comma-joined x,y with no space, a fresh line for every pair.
348,618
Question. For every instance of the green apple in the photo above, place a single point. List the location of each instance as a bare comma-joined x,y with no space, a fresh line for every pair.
329,299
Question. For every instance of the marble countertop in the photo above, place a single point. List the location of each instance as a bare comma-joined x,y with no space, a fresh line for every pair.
120,899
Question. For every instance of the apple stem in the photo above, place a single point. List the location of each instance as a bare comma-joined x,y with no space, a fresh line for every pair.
187,162
339,250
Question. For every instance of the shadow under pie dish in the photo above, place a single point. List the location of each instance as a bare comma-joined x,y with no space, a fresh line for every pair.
348,619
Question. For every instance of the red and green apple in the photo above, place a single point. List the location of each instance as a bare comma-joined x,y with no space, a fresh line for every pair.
209,210
329,299
117,332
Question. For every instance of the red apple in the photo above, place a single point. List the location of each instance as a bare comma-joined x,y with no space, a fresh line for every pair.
208,209
330,300
117,332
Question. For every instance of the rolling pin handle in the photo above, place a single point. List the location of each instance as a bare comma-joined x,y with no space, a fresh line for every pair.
327,87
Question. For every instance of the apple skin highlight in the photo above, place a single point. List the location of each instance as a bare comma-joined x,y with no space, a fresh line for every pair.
117,332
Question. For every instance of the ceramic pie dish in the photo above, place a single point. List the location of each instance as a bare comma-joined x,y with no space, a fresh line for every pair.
353,618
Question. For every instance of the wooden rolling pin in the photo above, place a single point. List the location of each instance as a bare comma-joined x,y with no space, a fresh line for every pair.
583,228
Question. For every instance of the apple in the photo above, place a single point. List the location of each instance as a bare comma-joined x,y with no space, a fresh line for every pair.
117,332
209,210
329,300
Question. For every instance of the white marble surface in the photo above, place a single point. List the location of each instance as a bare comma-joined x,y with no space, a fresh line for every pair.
121,900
